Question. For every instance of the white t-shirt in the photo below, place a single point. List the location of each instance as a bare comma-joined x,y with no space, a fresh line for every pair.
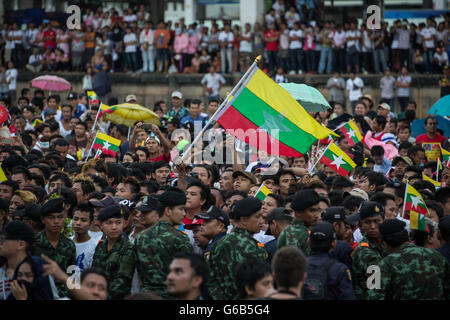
427,33
246,46
296,44
225,37
270,19
403,92
129,38
85,253
351,34
11,74
291,18
95,234
339,37
130,18
17,33
213,81
262,238
63,131
442,58
367,42
355,93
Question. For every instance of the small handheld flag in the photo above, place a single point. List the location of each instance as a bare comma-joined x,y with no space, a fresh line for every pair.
107,144
262,192
336,159
415,209
351,132
92,98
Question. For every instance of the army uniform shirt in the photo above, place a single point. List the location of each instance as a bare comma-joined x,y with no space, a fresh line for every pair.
211,244
367,253
155,249
65,254
118,264
235,248
297,234
413,273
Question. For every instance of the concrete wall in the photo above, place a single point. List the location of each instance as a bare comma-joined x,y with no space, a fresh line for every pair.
149,88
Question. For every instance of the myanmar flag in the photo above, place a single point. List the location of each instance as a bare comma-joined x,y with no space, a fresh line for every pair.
2,175
414,201
445,157
417,221
337,160
262,192
107,144
105,109
427,178
92,97
264,115
351,132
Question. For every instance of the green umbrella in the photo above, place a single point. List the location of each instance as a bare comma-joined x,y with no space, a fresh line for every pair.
309,97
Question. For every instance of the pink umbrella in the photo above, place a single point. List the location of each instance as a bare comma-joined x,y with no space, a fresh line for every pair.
51,83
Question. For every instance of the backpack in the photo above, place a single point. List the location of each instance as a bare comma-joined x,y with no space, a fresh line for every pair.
315,286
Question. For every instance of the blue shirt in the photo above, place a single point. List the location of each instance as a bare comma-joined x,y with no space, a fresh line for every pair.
79,111
383,167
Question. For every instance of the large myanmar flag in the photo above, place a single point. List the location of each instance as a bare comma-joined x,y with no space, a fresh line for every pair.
259,108
335,158
445,157
351,132
107,144
414,202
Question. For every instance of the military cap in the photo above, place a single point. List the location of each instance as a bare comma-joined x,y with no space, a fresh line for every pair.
18,212
444,225
246,207
148,204
250,176
370,209
172,197
52,206
405,159
215,213
32,211
392,227
103,203
322,232
18,230
304,199
109,212
4,204
277,214
335,214
353,219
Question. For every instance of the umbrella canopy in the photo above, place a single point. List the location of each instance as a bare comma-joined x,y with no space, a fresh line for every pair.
418,126
441,107
128,114
51,83
309,97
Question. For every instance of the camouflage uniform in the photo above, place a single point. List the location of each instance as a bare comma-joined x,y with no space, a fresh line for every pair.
64,254
235,248
367,253
413,273
118,264
297,234
154,250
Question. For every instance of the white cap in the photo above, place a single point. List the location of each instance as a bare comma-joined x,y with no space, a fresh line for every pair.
177,94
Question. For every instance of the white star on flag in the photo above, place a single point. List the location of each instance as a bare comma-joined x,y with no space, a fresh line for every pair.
337,161
351,134
415,201
106,145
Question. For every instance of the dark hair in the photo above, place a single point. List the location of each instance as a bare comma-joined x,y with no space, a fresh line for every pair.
375,178
89,271
85,208
205,193
273,177
282,172
199,266
428,118
289,266
336,197
113,171
63,177
144,149
381,121
122,130
151,186
60,142
350,202
382,198
340,182
415,169
87,186
377,151
133,183
414,149
278,198
404,145
38,179
250,272
432,204
22,170
442,195
422,184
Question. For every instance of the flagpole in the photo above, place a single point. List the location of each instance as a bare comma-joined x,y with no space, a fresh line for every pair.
96,117
92,145
314,166
224,102
404,201
437,170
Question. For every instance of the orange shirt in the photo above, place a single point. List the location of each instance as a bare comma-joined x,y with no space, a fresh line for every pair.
89,40
162,37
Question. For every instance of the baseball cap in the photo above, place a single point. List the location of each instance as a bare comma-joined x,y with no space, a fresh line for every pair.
248,175
384,106
335,214
405,159
49,112
103,203
367,96
177,94
149,203
130,98
72,95
124,202
353,219
322,232
357,192
18,230
215,213
277,214
195,222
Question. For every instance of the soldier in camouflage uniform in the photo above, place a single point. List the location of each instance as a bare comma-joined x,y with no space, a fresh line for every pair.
410,272
52,242
114,254
156,247
235,248
307,210
371,249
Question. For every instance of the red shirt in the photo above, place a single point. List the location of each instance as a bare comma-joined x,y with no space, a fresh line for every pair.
423,138
272,45
51,41
161,157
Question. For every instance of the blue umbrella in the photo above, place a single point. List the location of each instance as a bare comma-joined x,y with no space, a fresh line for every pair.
441,107
418,126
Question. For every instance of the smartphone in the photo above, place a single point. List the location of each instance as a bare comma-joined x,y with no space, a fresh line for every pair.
147,126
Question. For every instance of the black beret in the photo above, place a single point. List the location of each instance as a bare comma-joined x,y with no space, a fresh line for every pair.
246,207
4,204
305,199
18,230
109,212
52,206
392,227
33,211
370,209
322,232
172,197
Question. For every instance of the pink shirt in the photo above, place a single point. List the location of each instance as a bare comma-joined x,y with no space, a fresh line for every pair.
192,44
181,43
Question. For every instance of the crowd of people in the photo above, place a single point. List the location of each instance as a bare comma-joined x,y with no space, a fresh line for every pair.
294,37
137,224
